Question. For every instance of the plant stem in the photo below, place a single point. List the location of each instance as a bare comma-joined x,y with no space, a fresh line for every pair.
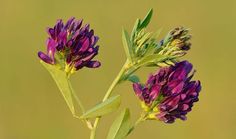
141,119
77,100
87,122
93,133
115,82
107,95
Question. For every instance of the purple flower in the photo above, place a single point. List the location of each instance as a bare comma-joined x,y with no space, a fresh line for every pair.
71,45
169,93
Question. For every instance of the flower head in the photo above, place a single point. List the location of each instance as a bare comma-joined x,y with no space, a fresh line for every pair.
71,46
169,94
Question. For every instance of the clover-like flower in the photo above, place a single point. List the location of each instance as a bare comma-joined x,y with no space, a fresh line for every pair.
71,46
169,94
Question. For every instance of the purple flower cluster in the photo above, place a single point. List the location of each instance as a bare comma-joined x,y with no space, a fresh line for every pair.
73,43
171,91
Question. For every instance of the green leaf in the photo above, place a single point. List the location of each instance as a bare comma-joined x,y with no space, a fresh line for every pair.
127,44
63,84
103,108
146,20
135,29
155,58
121,126
134,78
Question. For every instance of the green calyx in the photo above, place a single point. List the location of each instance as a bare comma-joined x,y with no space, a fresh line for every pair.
151,110
60,63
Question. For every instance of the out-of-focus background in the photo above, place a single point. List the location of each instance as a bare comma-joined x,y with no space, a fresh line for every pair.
31,106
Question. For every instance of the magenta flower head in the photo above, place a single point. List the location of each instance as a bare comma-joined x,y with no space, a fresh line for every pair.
170,93
71,46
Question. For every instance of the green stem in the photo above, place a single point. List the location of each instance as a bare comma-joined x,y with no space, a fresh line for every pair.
107,95
87,122
115,82
77,98
141,119
93,133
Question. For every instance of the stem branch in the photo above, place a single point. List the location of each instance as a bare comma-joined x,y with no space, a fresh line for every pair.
140,120
77,99
107,95
87,122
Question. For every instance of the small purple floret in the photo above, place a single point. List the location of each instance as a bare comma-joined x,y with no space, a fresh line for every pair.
175,88
45,58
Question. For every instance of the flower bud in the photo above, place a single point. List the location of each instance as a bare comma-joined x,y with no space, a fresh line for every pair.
176,43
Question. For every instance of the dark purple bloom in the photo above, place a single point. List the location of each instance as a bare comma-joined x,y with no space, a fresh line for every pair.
170,91
71,44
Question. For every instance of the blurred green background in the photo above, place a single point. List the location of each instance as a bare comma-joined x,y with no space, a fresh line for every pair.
31,106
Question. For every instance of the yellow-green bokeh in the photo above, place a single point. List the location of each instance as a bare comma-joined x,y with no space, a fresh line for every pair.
31,106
